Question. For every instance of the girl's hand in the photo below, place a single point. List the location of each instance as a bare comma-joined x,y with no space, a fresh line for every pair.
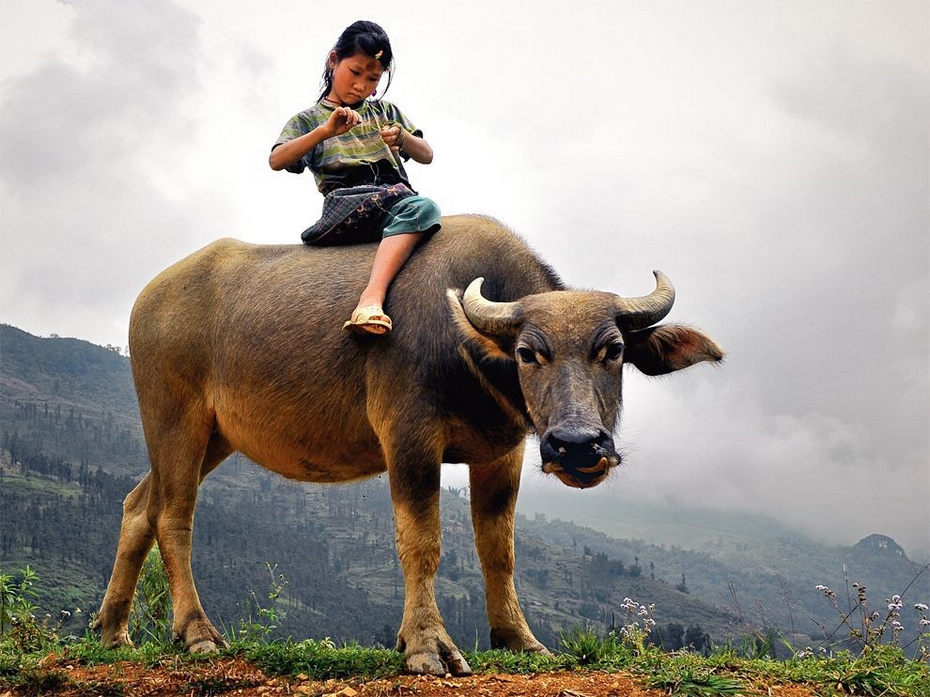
393,137
342,120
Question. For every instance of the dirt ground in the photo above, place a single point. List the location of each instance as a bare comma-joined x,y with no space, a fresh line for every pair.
228,676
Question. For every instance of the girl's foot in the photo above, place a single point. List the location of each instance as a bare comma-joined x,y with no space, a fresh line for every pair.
369,319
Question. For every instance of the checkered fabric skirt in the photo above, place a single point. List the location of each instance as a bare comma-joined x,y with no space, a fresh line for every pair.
353,215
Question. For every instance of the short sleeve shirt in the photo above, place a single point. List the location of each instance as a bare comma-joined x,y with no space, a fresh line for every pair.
336,161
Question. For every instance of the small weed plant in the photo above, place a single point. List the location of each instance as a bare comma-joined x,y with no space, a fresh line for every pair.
640,621
870,628
623,643
21,630
150,618
16,597
261,618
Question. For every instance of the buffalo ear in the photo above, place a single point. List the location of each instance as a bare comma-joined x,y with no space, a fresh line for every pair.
669,347
492,346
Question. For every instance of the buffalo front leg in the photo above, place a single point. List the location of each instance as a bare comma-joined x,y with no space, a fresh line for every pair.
422,638
494,488
135,540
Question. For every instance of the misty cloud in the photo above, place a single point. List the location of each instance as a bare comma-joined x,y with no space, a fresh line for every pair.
87,153
772,160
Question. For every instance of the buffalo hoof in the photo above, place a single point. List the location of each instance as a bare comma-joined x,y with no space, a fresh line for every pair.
118,640
432,664
199,636
111,638
517,640
203,646
431,651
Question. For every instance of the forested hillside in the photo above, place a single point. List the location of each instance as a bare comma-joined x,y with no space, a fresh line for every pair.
333,545
72,448
69,399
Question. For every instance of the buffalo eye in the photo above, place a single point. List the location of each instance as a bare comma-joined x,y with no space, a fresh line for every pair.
613,351
526,355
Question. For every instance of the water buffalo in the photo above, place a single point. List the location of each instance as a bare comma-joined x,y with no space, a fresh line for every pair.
239,347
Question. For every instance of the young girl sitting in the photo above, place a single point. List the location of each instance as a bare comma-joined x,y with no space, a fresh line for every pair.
355,148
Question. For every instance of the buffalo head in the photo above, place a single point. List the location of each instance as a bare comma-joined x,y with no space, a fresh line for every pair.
570,348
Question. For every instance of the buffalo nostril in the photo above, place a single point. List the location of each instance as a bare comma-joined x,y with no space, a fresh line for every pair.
579,440
579,450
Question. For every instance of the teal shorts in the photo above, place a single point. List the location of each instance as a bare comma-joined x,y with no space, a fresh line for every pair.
412,214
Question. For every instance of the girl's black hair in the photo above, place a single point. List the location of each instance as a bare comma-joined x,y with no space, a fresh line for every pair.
360,37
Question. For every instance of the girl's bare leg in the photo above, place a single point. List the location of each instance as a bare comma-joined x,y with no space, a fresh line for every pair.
390,257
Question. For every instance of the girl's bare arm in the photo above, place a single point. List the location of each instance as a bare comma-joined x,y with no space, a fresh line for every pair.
339,122
418,149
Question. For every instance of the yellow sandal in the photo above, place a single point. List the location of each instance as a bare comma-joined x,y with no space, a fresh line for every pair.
369,320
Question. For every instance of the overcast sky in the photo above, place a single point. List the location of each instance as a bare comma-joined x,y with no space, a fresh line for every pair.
770,157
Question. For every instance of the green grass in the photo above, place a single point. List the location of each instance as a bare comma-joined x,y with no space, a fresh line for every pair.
879,670
39,484
882,672
321,659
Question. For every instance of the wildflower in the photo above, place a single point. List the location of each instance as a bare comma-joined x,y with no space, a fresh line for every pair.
825,590
925,622
920,607
65,614
896,599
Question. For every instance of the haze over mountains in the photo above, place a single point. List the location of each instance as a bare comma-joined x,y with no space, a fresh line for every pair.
770,157
72,447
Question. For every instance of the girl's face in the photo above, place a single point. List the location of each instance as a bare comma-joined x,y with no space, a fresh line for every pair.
354,78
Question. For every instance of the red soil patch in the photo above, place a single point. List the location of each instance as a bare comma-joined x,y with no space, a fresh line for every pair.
235,676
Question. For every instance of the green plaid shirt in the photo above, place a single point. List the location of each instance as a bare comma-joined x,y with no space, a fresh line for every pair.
358,156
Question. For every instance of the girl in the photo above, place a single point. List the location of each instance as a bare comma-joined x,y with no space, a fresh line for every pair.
355,148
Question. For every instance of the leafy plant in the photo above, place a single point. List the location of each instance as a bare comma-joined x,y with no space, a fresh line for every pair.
695,682
21,629
587,648
16,597
261,620
323,659
150,618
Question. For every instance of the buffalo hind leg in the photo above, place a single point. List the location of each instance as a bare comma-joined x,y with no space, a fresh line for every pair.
187,456
142,511
135,540
414,478
494,489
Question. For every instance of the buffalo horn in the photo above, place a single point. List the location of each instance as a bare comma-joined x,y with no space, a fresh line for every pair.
489,317
639,313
